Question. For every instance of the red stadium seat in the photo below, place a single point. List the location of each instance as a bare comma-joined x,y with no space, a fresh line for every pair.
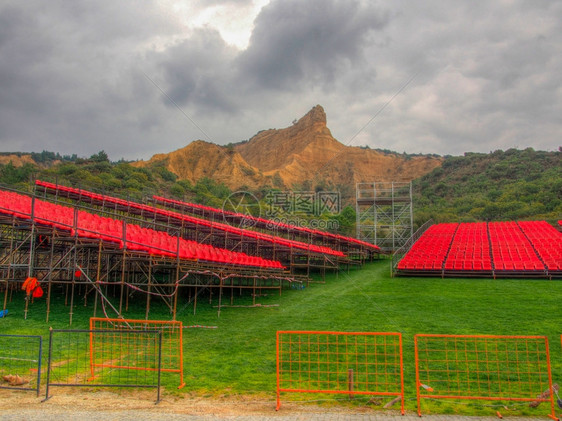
524,247
106,229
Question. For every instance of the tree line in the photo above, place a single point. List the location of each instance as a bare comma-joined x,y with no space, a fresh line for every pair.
502,185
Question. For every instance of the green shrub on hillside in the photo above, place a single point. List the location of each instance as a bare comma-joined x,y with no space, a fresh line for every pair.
501,185
515,184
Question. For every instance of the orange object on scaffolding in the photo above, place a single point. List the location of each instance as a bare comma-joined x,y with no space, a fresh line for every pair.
31,287
351,363
483,367
172,343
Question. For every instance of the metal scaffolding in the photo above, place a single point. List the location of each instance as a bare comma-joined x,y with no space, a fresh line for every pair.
384,213
50,236
68,259
87,270
299,262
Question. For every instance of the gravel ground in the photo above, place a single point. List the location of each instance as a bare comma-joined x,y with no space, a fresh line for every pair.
109,406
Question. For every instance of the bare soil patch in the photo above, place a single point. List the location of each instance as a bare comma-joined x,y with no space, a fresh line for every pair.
90,399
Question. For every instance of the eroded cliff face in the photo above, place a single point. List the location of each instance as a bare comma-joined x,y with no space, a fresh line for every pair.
203,159
305,151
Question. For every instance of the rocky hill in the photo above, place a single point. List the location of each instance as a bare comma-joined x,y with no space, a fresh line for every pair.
305,151
203,159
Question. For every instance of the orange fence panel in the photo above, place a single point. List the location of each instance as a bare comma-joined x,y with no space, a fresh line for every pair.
511,368
340,362
172,342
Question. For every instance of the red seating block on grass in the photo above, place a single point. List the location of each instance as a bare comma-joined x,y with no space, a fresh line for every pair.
527,248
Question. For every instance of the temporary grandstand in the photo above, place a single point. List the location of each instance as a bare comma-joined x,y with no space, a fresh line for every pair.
108,249
354,249
306,249
494,249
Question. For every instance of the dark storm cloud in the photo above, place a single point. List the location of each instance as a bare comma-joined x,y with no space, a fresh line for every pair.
296,42
78,77
197,71
59,63
487,77
22,52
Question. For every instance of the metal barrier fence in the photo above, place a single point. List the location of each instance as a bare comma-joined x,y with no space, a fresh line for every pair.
493,368
401,252
340,362
172,339
20,362
124,358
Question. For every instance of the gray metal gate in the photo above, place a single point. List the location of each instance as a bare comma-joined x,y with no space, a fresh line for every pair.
20,362
105,358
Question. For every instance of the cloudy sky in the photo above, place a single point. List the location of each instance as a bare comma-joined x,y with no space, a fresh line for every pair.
138,78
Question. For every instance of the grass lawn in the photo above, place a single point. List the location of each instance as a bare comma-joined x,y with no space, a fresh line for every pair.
239,356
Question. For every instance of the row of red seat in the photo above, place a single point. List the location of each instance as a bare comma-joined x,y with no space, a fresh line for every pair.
15,204
546,240
468,265
266,222
500,246
511,249
146,209
137,238
470,248
429,252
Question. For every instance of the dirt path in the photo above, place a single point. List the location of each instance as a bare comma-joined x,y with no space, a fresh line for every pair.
104,405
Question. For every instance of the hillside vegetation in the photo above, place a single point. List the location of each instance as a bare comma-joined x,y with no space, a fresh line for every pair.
115,178
503,185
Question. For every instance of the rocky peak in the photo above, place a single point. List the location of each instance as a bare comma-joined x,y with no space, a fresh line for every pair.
277,148
316,116
304,151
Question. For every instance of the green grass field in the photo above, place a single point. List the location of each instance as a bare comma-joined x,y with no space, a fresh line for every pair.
238,357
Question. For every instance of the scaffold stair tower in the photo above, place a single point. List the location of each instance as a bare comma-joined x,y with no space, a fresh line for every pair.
384,213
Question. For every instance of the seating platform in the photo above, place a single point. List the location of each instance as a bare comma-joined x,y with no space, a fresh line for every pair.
186,221
494,249
93,226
